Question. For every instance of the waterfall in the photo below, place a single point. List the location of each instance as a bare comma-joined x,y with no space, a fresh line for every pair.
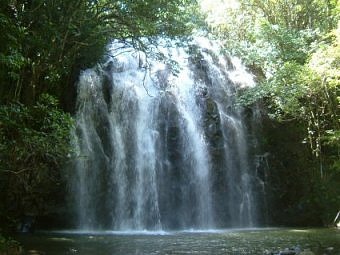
163,146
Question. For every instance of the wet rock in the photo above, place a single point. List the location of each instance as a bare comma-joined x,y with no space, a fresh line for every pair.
27,224
329,249
288,252
72,250
35,252
13,250
307,252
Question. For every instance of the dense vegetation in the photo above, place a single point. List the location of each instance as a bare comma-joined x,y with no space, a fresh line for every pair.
44,44
293,48
291,45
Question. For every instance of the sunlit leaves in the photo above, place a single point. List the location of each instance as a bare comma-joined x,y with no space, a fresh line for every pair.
292,48
44,44
326,60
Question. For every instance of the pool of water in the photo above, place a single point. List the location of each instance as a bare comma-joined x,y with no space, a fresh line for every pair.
235,241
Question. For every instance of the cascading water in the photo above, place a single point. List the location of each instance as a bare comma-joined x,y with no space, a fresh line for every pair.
161,146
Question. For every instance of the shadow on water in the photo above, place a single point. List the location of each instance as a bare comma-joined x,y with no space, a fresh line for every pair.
233,241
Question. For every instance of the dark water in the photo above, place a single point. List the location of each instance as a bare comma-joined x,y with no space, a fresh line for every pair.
251,241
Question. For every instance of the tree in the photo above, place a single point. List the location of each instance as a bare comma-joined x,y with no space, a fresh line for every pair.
292,47
34,145
46,43
43,46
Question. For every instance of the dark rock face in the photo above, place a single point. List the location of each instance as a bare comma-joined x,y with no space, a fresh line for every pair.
27,224
162,151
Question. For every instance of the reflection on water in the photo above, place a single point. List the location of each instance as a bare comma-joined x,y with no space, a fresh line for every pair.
250,241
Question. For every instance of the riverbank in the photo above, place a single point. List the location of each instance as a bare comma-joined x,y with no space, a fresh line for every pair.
10,246
231,241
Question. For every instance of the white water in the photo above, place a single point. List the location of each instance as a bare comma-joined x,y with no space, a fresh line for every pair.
162,150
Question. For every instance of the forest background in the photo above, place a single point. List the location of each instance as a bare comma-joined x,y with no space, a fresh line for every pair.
291,46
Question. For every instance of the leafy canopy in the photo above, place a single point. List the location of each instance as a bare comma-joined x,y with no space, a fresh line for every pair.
44,43
34,145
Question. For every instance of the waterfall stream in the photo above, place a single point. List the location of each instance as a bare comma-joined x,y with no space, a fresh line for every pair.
161,146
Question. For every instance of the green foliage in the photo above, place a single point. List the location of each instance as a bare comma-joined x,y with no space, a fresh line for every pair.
44,44
292,46
296,14
287,89
34,145
9,246
265,34
296,59
325,195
